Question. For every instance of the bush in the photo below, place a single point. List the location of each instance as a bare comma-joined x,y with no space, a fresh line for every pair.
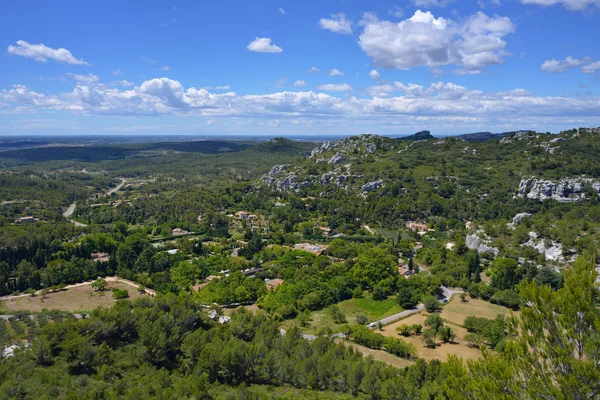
434,321
507,298
446,334
366,337
399,347
120,294
474,339
432,304
357,293
287,311
336,314
476,324
379,293
428,338
404,330
416,328
361,319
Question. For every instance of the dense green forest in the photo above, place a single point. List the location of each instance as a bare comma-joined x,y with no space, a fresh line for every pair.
513,220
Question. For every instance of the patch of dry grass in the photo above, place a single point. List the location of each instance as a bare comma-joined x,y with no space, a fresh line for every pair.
441,352
379,355
456,311
81,298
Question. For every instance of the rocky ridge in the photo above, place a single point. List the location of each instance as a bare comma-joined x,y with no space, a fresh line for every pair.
565,191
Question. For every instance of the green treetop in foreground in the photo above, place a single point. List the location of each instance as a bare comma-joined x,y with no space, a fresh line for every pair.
556,350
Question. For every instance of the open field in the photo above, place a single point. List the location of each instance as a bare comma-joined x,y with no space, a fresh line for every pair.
441,352
454,314
80,298
379,355
456,311
373,310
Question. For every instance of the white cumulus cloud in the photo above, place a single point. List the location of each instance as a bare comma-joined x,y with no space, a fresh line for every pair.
591,68
263,45
313,70
333,87
431,3
84,78
335,72
375,75
424,40
299,83
576,5
556,66
439,104
42,53
337,23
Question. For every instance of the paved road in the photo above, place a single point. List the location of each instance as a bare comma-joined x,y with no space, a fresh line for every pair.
116,188
71,209
396,317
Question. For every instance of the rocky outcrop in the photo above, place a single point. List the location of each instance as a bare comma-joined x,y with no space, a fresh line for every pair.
281,182
338,180
370,186
564,191
550,249
474,242
518,135
517,219
338,158
363,143
276,169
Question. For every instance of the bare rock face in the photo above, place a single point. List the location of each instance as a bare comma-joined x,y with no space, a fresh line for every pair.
280,181
338,158
564,191
276,169
474,242
370,186
517,219
550,249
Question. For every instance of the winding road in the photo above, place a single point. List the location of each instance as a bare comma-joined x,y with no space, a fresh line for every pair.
71,209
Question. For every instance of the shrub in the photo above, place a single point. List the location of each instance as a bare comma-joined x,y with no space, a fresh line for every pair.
404,330
120,293
428,338
507,298
476,324
432,304
446,334
336,314
474,339
361,319
417,328
399,347
434,321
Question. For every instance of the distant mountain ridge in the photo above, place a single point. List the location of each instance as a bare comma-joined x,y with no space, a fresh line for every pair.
483,136
422,135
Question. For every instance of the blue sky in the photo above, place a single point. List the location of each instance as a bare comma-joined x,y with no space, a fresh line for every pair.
310,67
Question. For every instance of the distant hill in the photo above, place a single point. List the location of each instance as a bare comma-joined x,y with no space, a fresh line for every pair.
422,135
283,145
483,136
